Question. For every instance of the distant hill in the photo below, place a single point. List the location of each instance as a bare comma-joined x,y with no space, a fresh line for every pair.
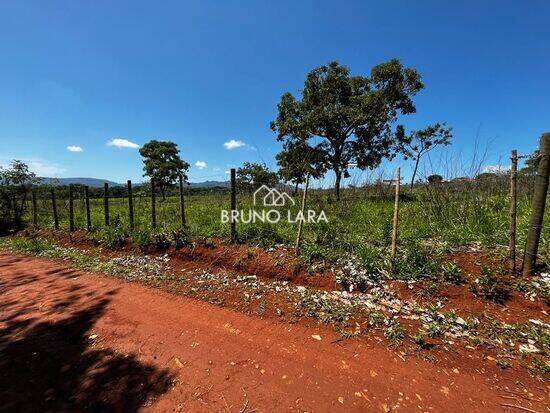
209,184
98,183
91,182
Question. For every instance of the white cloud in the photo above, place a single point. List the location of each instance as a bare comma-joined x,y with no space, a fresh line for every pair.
497,169
73,148
227,172
122,143
200,164
232,144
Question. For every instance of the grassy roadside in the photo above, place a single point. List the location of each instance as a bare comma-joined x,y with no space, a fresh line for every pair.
450,216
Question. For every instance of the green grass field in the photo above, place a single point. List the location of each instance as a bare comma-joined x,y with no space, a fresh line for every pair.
451,215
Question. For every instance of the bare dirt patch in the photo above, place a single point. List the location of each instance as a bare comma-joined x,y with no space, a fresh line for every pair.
72,340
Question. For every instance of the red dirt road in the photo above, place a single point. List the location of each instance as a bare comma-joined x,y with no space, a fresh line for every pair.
75,341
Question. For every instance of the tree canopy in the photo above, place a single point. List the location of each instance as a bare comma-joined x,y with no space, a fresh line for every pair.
298,159
349,118
420,142
433,179
162,163
251,176
15,185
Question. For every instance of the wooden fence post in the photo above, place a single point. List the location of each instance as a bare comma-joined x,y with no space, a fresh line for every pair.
513,210
153,205
395,215
106,203
182,205
537,209
71,209
130,205
54,206
233,205
34,209
88,215
301,222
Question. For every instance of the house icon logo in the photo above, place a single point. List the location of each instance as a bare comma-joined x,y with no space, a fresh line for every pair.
271,197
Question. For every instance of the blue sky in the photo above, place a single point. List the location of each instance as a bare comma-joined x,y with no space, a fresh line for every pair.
203,73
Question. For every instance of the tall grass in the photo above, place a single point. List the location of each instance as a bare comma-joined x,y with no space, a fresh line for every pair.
452,213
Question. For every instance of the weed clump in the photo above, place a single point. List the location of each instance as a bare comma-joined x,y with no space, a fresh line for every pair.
264,235
161,241
394,332
490,286
142,239
540,368
451,273
415,262
113,236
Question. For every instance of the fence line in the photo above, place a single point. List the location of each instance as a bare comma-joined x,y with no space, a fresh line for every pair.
82,209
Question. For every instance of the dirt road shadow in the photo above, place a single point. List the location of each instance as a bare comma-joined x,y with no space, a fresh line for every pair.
50,362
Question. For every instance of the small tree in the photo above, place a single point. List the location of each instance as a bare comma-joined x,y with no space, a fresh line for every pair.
15,185
422,141
350,115
435,179
162,163
297,160
253,175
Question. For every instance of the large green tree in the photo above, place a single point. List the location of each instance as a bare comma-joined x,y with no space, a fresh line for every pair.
251,176
420,142
349,118
297,160
15,185
162,163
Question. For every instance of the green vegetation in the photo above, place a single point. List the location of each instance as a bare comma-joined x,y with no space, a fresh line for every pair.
348,119
432,219
162,163
489,285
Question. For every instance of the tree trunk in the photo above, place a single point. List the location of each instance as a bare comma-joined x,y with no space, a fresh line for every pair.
337,184
296,188
537,208
414,172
